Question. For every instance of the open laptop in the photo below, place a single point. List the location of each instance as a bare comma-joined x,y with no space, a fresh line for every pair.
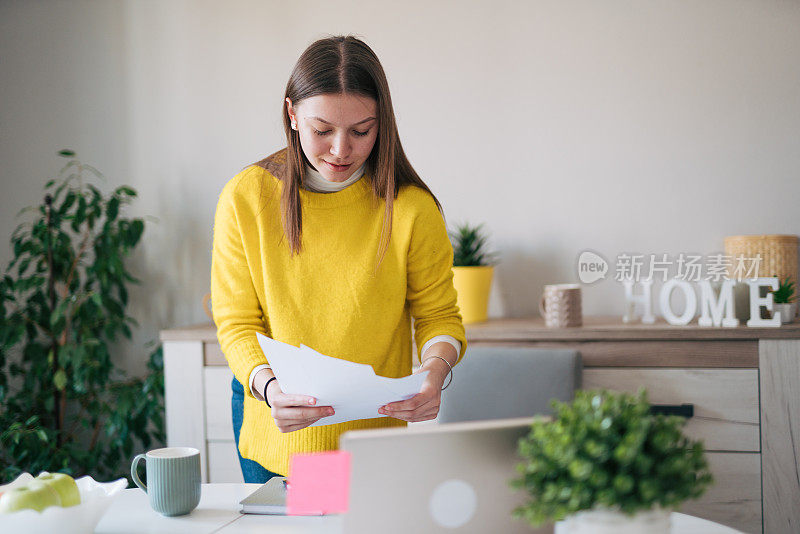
436,478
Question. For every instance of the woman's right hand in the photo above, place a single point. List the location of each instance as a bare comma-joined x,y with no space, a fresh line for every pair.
293,412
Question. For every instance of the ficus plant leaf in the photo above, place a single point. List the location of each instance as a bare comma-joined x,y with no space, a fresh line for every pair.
64,404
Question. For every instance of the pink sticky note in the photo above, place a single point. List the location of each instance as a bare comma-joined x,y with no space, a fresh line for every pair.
318,483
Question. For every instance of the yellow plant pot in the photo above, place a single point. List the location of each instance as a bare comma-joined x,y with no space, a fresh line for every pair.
472,285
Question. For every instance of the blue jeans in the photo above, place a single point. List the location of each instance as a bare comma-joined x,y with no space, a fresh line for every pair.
252,471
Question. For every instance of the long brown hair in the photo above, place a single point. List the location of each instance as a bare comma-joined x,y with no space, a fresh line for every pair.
345,64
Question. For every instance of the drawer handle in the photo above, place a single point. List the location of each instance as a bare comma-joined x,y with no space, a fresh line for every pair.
683,410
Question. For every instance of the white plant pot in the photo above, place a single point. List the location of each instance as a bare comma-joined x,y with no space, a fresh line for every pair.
788,311
656,521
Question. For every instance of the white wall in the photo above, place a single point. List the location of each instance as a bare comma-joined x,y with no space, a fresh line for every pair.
650,127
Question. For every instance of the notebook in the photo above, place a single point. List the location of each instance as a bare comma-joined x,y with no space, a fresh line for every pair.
269,499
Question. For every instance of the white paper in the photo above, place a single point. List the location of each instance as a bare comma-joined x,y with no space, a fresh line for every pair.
352,389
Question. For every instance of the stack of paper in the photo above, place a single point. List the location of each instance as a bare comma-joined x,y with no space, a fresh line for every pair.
352,389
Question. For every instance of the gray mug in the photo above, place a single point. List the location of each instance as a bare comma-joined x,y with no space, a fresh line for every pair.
173,479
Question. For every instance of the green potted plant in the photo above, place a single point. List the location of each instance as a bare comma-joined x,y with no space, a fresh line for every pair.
604,464
472,271
783,300
64,403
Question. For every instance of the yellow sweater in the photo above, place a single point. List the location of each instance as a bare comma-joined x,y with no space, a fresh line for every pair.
328,297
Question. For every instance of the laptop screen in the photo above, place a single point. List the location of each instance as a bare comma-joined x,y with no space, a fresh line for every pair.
436,478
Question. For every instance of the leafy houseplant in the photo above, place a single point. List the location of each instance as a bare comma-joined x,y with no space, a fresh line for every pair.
783,300
469,246
64,405
605,455
472,271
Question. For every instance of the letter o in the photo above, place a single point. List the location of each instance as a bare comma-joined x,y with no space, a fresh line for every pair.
691,302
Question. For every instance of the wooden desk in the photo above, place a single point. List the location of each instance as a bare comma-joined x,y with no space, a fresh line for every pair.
744,384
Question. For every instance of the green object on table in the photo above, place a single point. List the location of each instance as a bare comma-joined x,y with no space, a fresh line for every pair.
173,479
606,450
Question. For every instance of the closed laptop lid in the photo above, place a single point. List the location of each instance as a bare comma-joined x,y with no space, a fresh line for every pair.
436,478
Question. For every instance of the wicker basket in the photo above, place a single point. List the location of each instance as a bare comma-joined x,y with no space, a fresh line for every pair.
778,254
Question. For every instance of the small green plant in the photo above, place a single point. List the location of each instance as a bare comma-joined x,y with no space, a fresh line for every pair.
604,450
785,292
469,246
64,404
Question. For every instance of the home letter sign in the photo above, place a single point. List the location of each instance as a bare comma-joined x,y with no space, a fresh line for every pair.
711,307
756,301
666,307
644,299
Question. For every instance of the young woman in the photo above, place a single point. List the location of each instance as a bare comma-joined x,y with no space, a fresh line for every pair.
333,242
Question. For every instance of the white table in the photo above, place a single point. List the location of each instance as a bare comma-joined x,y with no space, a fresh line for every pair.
218,512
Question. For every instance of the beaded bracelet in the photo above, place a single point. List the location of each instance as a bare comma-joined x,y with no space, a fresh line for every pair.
450,374
265,389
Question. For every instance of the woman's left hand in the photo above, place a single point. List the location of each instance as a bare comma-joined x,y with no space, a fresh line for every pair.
424,405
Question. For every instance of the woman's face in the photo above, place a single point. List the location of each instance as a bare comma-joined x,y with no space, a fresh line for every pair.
337,132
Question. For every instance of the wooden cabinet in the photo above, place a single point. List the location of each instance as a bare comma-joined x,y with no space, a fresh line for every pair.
743,384
725,405
197,397
724,401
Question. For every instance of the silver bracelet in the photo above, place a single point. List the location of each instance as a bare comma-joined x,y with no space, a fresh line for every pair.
450,374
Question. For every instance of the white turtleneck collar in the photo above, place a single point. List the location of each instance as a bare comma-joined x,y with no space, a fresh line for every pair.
316,183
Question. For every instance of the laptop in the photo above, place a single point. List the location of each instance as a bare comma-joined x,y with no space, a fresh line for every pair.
433,478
